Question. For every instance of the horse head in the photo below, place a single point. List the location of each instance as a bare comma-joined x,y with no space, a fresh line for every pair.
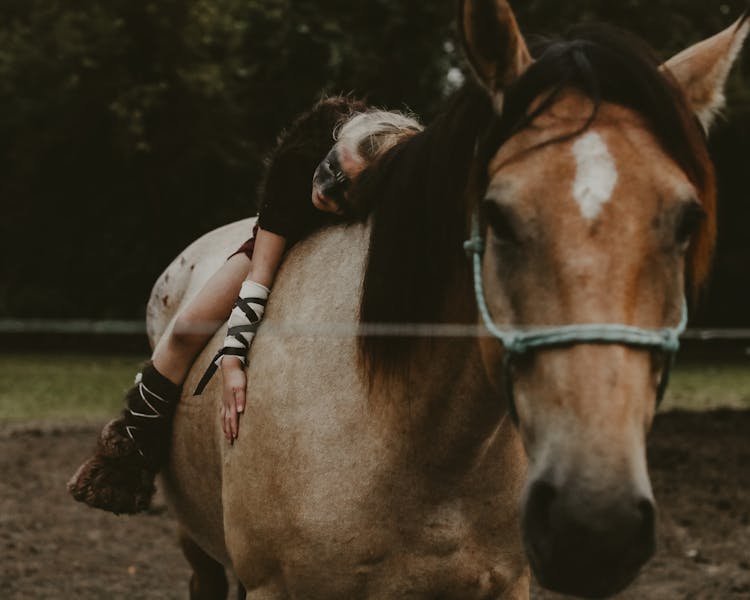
596,202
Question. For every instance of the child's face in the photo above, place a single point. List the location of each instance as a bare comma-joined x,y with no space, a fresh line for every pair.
332,178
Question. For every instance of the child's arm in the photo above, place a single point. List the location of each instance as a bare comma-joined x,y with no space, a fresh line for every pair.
267,255
199,319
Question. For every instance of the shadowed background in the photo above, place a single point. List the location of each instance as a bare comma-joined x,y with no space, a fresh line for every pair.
129,128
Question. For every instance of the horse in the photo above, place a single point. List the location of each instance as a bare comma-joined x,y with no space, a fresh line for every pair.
503,431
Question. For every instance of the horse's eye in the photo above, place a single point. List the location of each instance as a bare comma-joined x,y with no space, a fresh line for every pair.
689,221
500,221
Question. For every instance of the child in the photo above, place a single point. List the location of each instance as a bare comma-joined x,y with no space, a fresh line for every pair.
132,448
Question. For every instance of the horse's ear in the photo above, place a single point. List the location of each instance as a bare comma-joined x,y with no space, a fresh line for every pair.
702,69
493,44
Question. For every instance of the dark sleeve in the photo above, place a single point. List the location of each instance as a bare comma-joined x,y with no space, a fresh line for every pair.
249,246
292,216
286,190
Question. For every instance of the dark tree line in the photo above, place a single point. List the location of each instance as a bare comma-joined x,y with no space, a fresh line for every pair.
130,127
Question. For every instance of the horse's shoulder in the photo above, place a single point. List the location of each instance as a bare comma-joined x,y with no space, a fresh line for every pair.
323,273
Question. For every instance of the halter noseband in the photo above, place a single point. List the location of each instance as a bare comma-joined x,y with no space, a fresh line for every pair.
518,341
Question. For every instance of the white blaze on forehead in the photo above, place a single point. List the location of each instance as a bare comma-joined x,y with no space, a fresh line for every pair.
596,174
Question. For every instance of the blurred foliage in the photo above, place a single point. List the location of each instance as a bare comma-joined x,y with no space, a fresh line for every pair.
130,127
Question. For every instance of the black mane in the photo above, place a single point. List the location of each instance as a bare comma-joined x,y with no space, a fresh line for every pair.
419,216
419,189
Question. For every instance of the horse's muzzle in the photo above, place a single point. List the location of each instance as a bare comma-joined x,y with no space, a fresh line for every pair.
577,547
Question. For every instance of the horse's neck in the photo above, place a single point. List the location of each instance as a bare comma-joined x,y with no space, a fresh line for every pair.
443,394
444,400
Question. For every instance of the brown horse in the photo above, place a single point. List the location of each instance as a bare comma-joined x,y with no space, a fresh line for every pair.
382,467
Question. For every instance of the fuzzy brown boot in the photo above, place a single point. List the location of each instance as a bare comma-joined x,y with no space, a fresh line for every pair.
130,450
117,478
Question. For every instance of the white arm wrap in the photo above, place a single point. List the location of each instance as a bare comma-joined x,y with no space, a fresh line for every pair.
244,320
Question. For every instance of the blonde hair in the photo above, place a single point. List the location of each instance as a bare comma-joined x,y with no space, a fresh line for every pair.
369,134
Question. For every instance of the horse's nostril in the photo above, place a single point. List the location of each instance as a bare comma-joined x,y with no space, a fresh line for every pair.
541,497
646,509
583,543
646,531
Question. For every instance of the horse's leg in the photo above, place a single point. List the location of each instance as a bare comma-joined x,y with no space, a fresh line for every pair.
209,580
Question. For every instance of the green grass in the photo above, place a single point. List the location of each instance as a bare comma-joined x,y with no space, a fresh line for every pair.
69,388
699,387
90,388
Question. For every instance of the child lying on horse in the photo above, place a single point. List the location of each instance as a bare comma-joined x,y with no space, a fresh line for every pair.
132,448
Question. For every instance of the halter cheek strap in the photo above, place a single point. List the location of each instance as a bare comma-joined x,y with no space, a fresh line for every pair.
519,341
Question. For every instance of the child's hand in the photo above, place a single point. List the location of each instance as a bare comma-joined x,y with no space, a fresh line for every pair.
235,386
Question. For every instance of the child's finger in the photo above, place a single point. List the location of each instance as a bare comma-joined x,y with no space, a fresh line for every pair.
222,417
224,421
234,411
239,396
228,425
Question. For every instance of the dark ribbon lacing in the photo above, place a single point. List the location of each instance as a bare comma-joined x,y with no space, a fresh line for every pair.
236,332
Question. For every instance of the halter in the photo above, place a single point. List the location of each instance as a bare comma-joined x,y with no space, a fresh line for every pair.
518,341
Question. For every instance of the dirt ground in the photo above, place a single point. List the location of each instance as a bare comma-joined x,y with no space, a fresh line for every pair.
54,547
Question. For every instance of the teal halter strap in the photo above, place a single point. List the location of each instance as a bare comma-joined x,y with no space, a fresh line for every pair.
518,341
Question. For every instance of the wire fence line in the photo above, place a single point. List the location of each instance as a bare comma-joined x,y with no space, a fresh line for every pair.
72,326
287,329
